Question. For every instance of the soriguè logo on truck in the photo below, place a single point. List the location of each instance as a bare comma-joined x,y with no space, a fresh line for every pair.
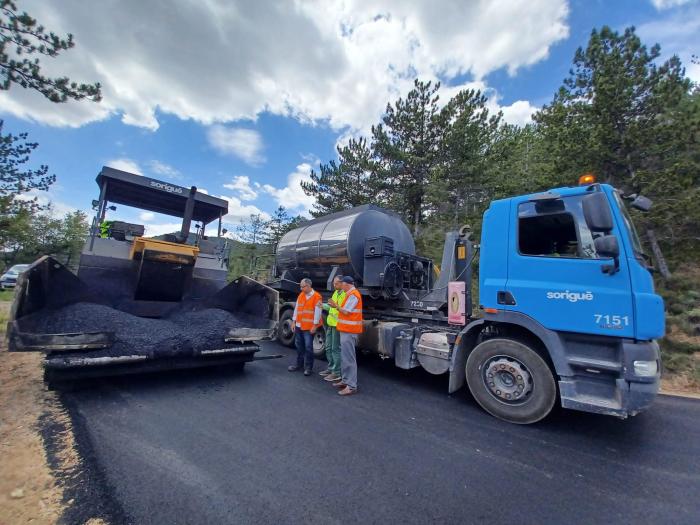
571,296
166,187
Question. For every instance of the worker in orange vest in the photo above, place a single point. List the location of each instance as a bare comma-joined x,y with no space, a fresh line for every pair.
350,327
307,320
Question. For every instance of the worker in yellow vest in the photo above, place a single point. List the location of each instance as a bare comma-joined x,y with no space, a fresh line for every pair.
350,327
332,373
307,320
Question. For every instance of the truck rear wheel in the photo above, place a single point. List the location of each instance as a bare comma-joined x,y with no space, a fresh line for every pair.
285,333
320,343
511,381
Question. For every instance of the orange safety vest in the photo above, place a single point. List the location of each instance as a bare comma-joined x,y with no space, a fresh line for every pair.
352,322
306,307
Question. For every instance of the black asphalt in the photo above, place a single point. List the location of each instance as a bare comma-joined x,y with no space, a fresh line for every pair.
268,446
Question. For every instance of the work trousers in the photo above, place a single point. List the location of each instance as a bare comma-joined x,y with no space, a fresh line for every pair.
304,342
333,349
348,360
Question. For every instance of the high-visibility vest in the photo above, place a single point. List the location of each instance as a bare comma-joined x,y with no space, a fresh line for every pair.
306,307
351,322
338,298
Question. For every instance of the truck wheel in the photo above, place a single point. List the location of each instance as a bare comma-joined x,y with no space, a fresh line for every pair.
285,333
320,343
511,381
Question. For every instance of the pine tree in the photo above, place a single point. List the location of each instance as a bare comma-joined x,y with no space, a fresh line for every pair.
459,185
351,181
253,230
407,146
634,123
22,41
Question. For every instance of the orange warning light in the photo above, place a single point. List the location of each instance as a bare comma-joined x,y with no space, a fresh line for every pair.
585,179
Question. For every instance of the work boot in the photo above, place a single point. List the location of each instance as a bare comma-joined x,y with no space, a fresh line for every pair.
332,378
308,372
325,373
293,368
347,391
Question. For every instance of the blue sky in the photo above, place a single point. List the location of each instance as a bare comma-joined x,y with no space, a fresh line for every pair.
243,100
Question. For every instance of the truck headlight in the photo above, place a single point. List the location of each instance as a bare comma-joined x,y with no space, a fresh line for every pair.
646,368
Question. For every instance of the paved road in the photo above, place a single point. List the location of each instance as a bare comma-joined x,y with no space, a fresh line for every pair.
268,446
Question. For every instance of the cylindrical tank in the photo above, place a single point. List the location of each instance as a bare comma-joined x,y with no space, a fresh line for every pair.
338,240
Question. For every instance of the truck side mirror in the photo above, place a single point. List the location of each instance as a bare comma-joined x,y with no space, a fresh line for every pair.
641,203
596,211
608,247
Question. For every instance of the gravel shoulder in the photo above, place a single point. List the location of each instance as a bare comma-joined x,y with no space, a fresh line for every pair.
29,492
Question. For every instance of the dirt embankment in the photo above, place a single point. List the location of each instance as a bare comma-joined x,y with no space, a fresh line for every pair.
30,490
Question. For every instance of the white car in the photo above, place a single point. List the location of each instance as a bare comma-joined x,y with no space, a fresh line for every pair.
9,278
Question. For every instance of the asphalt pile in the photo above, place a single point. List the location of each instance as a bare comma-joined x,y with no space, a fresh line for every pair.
182,333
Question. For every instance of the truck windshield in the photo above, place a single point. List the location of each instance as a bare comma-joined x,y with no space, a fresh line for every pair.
636,244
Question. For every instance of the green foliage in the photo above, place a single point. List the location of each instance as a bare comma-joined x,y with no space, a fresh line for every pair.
280,223
32,235
352,181
16,179
636,124
252,254
22,41
408,147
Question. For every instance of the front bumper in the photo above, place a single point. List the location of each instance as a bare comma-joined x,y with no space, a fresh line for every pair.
614,388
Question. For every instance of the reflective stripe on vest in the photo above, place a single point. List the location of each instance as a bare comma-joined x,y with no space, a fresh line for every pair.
306,307
351,322
338,297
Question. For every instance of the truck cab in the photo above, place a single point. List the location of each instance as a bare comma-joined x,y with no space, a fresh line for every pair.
563,272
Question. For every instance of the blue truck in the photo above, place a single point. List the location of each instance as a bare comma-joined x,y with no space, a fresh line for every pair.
566,311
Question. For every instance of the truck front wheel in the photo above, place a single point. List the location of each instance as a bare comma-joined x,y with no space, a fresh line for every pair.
511,381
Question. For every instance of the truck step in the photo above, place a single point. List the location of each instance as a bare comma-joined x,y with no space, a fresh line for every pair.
595,364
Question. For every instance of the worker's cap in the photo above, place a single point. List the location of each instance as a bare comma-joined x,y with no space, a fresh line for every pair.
348,279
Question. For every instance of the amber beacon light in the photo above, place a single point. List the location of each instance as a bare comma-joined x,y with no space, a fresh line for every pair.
586,178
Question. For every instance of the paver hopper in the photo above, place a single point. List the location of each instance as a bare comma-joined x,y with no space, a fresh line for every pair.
137,303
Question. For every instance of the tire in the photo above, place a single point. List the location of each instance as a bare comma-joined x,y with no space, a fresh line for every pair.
511,381
285,332
320,343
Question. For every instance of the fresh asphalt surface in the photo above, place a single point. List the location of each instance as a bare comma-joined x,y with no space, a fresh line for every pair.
268,446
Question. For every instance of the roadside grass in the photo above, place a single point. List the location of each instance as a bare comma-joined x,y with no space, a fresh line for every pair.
5,302
680,349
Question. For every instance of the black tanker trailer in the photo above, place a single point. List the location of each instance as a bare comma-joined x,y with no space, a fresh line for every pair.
404,295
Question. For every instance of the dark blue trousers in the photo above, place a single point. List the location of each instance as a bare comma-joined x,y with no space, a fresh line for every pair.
304,341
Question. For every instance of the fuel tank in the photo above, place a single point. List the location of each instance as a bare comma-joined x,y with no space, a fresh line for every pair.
338,240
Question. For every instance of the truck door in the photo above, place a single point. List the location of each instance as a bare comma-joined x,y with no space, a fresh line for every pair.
555,275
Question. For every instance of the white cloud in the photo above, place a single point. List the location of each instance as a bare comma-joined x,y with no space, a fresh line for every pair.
241,184
125,164
668,4
238,212
292,196
334,61
161,168
519,112
57,208
161,228
146,216
245,144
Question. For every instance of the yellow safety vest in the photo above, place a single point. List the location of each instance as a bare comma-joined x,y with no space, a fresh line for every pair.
332,319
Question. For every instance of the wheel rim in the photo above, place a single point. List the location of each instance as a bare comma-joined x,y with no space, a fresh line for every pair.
319,343
507,379
287,329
